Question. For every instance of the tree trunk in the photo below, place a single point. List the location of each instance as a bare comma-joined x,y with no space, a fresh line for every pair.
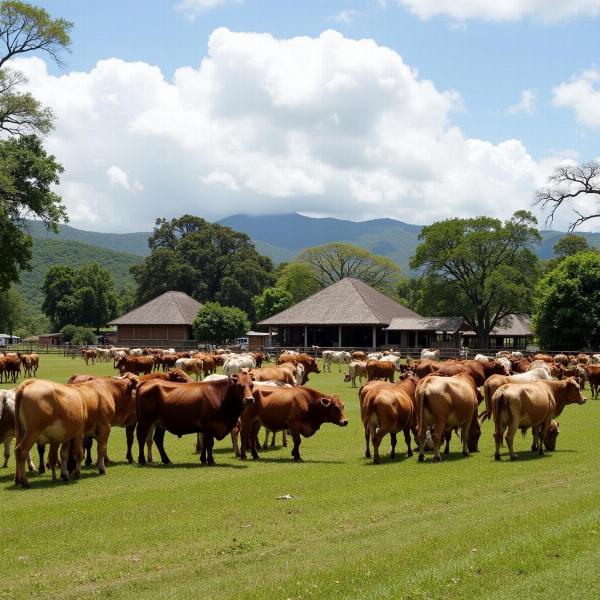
483,340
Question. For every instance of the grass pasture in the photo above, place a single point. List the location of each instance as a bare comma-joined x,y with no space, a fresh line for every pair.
465,528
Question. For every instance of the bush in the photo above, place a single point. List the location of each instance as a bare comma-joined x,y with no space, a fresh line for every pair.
216,323
67,333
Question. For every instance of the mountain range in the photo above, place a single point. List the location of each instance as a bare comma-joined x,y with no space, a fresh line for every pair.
281,237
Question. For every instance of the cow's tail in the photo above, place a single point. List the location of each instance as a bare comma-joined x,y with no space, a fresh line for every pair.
498,405
18,400
421,400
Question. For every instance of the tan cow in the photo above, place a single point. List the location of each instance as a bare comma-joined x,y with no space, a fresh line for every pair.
535,404
380,370
357,368
191,366
445,402
282,375
389,410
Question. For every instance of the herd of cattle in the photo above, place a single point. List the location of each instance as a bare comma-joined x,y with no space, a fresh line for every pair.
155,394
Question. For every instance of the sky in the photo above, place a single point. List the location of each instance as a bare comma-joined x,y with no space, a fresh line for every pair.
417,110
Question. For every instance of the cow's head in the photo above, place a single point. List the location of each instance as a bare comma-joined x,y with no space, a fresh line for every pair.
347,377
499,368
178,376
244,380
574,395
331,409
474,434
312,366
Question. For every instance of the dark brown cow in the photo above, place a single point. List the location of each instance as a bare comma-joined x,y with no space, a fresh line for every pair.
477,370
138,365
11,366
302,410
578,372
445,402
535,404
390,409
211,408
593,376
209,365
520,365
377,369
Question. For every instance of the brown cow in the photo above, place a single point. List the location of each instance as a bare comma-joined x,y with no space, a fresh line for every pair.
578,372
390,409
209,365
308,362
211,408
535,404
11,366
520,365
445,402
359,356
545,357
380,370
561,359
302,410
278,374
427,366
583,359
593,376
137,365
478,371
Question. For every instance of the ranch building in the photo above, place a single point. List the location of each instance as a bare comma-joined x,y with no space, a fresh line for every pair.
513,333
347,314
164,321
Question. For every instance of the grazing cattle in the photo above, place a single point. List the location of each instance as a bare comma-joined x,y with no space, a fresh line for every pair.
10,366
593,376
374,355
301,410
390,410
477,370
427,366
535,404
7,426
236,363
278,374
138,365
211,408
578,372
308,362
338,358
361,356
445,402
380,370
391,358
209,364
88,354
583,359
561,359
356,369
545,357
520,365
483,358
551,436
495,381
191,366
431,354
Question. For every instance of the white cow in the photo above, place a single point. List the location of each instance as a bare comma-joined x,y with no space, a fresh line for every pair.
595,359
393,359
540,364
7,425
483,358
504,361
357,368
235,364
431,354
516,355
337,357
135,352
374,355
190,365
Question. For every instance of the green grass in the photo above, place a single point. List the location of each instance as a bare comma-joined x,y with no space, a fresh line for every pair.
465,528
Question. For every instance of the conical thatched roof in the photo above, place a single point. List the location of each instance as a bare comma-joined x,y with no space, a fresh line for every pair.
170,308
348,302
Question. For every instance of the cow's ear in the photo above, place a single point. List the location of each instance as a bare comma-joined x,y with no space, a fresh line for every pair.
234,377
326,402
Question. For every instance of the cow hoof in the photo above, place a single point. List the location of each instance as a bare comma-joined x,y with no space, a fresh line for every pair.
100,472
32,469
409,453
298,459
129,460
513,457
376,460
497,456
25,485
367,454
65,478
141,463
421,458
285,444
392,455
42,470
534,448
243,457
88,462
466,453
437,459
211,463
264,446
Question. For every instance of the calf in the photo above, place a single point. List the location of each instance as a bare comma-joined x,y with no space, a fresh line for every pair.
356,369
7,426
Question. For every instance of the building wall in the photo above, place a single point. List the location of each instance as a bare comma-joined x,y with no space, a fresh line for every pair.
148,333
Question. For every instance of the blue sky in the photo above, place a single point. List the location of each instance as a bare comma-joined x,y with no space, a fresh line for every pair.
489,60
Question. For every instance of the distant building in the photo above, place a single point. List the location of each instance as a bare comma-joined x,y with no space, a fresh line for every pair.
164,321
50,339
6,339
513,332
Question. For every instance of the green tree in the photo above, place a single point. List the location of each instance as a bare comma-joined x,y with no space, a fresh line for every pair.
566,312
68,332
480,268
332,262
409,291
12,309
272,301
59,295
299,280
205,260
27,172
569,245
83,336
216,323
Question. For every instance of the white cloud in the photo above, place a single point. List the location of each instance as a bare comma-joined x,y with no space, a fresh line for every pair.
582,94
117,176
193,8
526,103
326,125
502,10
345,16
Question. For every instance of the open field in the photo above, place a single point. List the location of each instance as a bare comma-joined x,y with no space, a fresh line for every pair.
465,528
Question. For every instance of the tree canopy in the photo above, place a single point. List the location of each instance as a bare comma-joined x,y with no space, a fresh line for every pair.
205,260
566,312
272,301
216,323
331,262
27,171
81,297
480,269
299,280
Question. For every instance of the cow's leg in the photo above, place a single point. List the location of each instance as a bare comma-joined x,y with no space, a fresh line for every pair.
535,431
376,437
142,432
284,438
464,432
88,442
198,442
394,440
421,437
255,428
21,452
209,442
498,435
408,441
447,438
266,442
159,438
543,433
367,442
244,438
273,436
129,433
296,449
65,450
150,442
30,464
102,443
510,436
235,442
76,454
41,449
6,453
438,432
